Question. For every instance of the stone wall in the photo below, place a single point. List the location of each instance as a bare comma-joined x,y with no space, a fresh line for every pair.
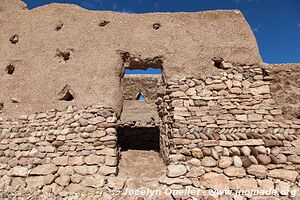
71,150
218,132
227,132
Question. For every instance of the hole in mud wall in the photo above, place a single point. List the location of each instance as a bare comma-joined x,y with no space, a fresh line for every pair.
65,55
14,39
134,62
138,138
103,23
140,97
265,72
217,62
1,106
59,26
66,94
10,69
156,26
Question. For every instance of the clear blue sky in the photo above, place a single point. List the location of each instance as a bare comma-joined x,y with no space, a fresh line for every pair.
275,23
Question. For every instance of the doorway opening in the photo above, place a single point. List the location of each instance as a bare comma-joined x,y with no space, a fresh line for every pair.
138,138
139,156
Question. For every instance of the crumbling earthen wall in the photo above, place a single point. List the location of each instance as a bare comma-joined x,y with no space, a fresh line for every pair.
58,44
285,88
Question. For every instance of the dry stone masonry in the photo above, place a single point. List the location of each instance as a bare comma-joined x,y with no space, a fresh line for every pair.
226,132
217,118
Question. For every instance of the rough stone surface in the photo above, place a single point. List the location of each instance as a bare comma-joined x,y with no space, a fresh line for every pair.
44,169
214,181
176,170
243,184
19,171
283,174
259,171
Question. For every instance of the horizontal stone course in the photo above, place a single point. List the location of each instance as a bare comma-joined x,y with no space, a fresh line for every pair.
59,148
230,128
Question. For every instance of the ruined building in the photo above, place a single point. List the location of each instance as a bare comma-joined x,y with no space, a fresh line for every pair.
217,117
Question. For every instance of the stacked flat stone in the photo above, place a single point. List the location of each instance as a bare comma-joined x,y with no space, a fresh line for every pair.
226,132
60,151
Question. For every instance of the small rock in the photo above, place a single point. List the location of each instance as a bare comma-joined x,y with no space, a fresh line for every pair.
18,171
176,170
209,162
283,174
225,162
246,151
234,151
77,160
265,184
106,170
261,149
254,117
259,171
282,158
214,181
94,160
237,161
263,159
86,170
18,182
274,160
63,160
115,183
63,180
235,171
44,169
295,159
283,188
243,184
197,153
95,181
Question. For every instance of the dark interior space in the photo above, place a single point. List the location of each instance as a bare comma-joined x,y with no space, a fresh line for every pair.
141,138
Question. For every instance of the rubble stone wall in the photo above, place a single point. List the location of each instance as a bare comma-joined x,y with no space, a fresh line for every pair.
74,149
227,132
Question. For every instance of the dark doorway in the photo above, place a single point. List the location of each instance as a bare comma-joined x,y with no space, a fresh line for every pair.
141,138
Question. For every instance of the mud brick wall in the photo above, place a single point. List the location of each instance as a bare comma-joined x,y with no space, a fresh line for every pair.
134,84
227,132
71,150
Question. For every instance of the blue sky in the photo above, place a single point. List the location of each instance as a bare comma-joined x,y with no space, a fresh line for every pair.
275,23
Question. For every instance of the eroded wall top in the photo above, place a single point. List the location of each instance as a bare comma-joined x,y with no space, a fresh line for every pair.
57,45
285,88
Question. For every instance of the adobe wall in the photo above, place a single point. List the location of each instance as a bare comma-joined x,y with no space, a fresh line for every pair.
59,44
285,88
133,84
222,117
